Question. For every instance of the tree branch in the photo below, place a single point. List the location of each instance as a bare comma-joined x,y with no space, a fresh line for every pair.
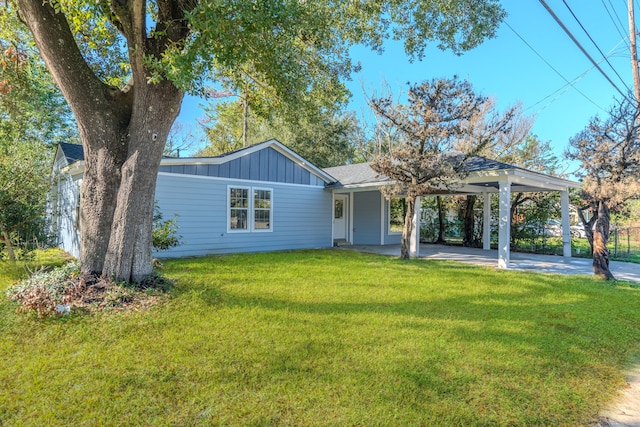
83,90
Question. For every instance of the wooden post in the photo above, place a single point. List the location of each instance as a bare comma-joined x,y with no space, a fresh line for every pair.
634,53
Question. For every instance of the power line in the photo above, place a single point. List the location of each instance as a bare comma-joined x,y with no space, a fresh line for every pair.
619,26
562,90
566,30
551,66
596,45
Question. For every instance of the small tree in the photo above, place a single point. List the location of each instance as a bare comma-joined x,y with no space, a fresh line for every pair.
440,115
609,154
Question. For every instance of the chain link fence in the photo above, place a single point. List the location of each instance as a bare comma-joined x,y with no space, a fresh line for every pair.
624,242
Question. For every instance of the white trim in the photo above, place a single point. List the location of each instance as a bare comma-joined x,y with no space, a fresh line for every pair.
253,210
273,143
531,181
345,214
350,219
224,158
333,206
566,229
250,210
382,221
504,224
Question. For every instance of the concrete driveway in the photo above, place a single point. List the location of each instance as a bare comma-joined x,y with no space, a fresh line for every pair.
519,261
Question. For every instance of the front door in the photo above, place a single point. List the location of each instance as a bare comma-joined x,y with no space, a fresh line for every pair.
340,216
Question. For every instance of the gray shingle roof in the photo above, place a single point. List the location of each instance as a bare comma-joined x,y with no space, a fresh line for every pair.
361,173
73,152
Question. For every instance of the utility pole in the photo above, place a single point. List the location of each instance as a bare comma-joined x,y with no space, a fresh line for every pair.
634,54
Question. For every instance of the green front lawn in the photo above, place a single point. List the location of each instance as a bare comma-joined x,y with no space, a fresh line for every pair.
328,338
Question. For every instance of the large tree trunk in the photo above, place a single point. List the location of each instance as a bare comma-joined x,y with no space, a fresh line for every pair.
129,254
405,244
468,238
104,156
600,240
123,131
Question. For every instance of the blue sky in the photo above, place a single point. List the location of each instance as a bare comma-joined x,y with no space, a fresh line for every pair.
508,69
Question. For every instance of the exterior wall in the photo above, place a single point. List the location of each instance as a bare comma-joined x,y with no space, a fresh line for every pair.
264,165
367,217
300,216
65,197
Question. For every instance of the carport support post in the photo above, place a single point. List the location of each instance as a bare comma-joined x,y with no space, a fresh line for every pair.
486,222
566,230
504,226
414,246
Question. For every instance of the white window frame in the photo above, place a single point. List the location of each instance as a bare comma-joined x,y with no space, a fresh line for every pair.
253,210
250,210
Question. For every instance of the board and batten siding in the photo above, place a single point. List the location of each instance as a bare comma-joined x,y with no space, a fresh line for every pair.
300,216
366,217
264,165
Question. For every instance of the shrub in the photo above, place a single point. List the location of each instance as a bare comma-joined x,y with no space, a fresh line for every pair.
63,289
164,233
44,291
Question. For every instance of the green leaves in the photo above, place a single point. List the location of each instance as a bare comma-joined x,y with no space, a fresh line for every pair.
608,150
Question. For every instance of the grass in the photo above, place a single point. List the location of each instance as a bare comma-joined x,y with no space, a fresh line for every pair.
13,271
328,338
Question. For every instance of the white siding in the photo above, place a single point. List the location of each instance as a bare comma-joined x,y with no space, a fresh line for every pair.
65,198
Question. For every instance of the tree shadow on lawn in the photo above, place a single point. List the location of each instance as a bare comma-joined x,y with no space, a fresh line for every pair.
548,347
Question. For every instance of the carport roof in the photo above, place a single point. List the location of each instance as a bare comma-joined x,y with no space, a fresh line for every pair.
485,175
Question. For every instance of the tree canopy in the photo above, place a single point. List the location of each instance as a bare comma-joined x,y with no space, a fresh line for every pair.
33,118
444,124
124,66
325,137
608,151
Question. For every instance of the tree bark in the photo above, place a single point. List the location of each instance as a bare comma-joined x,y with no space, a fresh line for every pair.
405,244
104,156
468,238
600,240
123,130
129,253
7,242
441,221
588,226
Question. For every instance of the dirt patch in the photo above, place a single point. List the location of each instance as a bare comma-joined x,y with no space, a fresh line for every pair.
91,293
625,410
63,290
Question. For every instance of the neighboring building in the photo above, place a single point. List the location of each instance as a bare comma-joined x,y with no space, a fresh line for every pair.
266,197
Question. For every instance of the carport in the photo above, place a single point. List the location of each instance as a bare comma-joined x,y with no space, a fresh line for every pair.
485,177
